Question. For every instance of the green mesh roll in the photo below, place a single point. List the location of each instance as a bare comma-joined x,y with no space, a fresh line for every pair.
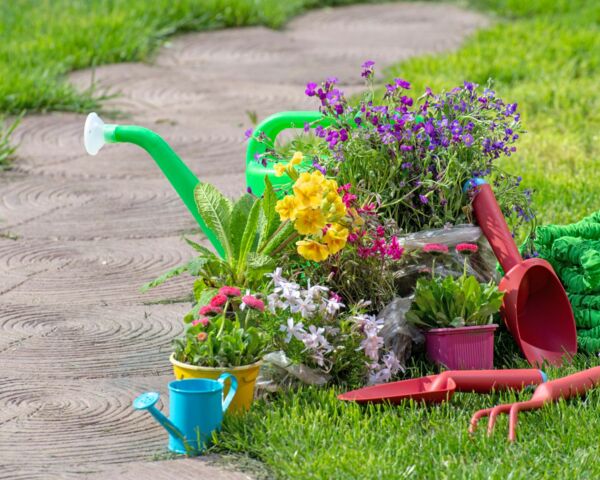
588,228
588,344
591,302
574,280
574,253
586,317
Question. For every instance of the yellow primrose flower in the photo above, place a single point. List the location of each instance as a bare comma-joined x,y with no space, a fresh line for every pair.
312,250
279,169
336,238
308,189
297,158
331,187
335,209
309,221
287,208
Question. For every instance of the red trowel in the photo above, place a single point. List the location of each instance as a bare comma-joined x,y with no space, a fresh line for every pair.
440,388
536,308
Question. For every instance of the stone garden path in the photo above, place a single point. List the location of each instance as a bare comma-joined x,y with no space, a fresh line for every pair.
80,234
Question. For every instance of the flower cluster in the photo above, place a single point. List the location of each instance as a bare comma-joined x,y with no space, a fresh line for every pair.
315,322
382,365
315,304
317,210
423,149
374,243
224,333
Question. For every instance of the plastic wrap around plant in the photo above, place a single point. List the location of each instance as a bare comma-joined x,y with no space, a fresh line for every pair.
574,252
398,335
481,264
279,372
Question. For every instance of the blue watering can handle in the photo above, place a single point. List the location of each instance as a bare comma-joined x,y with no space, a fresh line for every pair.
232,388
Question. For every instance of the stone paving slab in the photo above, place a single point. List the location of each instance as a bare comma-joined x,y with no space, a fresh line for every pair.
78,340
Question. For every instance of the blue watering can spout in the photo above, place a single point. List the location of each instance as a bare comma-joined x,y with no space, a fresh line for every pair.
146,401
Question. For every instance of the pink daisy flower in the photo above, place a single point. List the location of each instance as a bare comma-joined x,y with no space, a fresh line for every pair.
210,310
218,300
230,291
253,302
202,320
467,248
435,248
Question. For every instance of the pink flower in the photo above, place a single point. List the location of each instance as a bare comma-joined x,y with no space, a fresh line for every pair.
435,248
202,320
467,248
202,336
230,291
218,300
210,310
253,302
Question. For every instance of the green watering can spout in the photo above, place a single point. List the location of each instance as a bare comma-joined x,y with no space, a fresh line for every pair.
97,133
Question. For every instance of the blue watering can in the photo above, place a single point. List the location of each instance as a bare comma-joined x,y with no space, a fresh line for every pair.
197,408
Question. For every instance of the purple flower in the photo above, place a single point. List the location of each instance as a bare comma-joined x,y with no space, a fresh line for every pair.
367,69
406,101
248,133
402,83
310,89
469,86
467,139
319,167
424,200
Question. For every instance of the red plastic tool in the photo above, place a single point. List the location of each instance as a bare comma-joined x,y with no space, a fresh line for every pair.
440,388
536,308
566,387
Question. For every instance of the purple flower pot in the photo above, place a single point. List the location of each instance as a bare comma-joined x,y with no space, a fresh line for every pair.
462,348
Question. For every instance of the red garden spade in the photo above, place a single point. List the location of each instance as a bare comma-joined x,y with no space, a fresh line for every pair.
536,308
440,388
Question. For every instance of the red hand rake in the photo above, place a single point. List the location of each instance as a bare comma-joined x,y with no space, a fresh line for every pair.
566,387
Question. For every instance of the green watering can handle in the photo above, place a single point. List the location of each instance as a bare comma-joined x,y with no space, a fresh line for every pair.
271,127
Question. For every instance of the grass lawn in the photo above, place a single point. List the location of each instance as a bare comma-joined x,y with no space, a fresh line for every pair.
542,54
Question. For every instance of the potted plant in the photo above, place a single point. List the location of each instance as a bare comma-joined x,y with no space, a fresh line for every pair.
456,314
225,337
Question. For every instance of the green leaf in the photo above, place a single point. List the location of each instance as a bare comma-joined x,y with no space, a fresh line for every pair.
239,219
174,272
200,248
269,217
286,229
193,267
215,209
259,264
248,238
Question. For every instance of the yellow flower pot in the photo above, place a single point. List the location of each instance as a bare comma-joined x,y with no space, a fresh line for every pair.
246,376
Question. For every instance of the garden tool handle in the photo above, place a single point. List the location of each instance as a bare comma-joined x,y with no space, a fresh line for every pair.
232,388
568,386
493,224
484,381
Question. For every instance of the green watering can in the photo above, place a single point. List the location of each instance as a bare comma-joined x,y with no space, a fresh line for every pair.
97,133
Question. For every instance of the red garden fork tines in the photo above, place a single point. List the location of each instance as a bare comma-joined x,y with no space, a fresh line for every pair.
565,387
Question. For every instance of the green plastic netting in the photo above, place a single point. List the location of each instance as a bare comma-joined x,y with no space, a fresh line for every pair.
574,252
